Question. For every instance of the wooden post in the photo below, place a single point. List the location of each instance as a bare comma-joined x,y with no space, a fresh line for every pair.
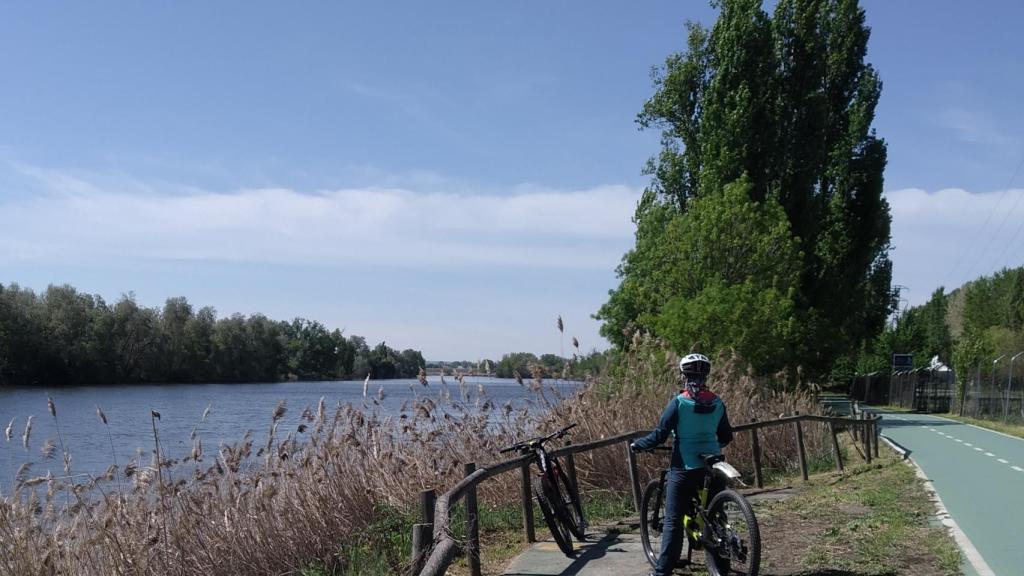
427,500
472,525
634,476
570,468
874,434
835,446
756,446
531,535
800,448
865,438
422,535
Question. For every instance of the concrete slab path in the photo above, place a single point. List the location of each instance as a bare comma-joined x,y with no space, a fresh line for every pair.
605,554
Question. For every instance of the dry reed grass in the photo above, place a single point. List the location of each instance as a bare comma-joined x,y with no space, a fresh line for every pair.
295,501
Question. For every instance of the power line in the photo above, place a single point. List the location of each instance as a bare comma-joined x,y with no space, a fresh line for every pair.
968,249
1013,238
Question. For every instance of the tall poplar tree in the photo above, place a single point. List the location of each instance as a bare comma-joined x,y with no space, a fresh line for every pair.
787,103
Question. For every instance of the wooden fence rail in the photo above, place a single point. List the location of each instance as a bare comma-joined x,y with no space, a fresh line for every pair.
434,545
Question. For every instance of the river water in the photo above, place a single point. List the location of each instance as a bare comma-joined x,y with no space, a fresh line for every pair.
233,410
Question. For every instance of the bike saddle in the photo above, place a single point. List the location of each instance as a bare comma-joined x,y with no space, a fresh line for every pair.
712,459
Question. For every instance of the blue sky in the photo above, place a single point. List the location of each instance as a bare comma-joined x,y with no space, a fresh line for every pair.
444,176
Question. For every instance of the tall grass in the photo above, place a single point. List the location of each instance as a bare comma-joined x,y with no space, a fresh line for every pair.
323,494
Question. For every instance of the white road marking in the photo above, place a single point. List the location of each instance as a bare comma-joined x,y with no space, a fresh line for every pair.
990,454
978,449
979,564
968,444
1003,461
1018,468
958,440
933,429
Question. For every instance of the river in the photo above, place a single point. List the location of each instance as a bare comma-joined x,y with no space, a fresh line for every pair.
233,410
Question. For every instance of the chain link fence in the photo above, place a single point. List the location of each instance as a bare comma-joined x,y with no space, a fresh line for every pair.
992,394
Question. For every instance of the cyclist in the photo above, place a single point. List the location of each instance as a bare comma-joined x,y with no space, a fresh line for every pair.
697,419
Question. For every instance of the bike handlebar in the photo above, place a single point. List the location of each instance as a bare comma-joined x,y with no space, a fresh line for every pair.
519,446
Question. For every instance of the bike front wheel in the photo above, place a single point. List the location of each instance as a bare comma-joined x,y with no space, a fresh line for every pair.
547,498
652,520
570,512
732,538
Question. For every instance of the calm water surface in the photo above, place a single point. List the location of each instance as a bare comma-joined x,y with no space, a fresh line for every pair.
234,409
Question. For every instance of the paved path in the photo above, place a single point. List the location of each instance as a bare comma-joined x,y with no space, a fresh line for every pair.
606,554
979,475
613,550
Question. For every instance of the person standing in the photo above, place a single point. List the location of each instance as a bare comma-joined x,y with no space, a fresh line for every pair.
697,419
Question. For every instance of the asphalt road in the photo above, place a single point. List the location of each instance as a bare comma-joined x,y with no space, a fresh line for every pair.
979,475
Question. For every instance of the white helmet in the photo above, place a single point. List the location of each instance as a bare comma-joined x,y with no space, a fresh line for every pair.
695,365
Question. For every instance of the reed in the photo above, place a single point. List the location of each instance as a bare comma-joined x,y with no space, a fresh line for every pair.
329,489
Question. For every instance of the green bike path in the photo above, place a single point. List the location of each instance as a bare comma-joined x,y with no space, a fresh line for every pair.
979,476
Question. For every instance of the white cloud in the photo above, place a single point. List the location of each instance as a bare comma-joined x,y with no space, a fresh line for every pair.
73,218
974,127
952,236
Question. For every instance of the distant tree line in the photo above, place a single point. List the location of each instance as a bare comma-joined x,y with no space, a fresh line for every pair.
64,337
549,365
970,326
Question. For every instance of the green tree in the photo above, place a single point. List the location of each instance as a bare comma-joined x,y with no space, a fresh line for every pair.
177,343
786,102
135,338
382,362
515,362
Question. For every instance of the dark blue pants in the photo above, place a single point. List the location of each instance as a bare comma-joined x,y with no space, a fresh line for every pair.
680,488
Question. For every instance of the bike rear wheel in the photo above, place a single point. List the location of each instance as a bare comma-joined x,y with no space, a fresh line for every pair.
547,500
570,511
733,541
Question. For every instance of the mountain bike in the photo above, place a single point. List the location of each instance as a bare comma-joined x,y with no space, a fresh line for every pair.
725,529
557,495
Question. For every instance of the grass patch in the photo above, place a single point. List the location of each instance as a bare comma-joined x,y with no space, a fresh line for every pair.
1006,428
872,520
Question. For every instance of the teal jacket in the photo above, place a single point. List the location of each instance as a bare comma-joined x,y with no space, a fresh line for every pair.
700,426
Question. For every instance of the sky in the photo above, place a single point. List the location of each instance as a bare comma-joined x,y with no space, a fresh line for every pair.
449,177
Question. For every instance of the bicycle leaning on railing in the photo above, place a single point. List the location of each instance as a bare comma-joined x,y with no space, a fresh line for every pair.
557,495
725,529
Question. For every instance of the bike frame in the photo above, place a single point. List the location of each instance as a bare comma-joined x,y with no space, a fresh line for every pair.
693,526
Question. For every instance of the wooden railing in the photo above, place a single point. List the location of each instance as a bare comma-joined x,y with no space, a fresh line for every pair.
434,547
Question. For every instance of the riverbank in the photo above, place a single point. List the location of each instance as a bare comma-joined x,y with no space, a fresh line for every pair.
327,486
